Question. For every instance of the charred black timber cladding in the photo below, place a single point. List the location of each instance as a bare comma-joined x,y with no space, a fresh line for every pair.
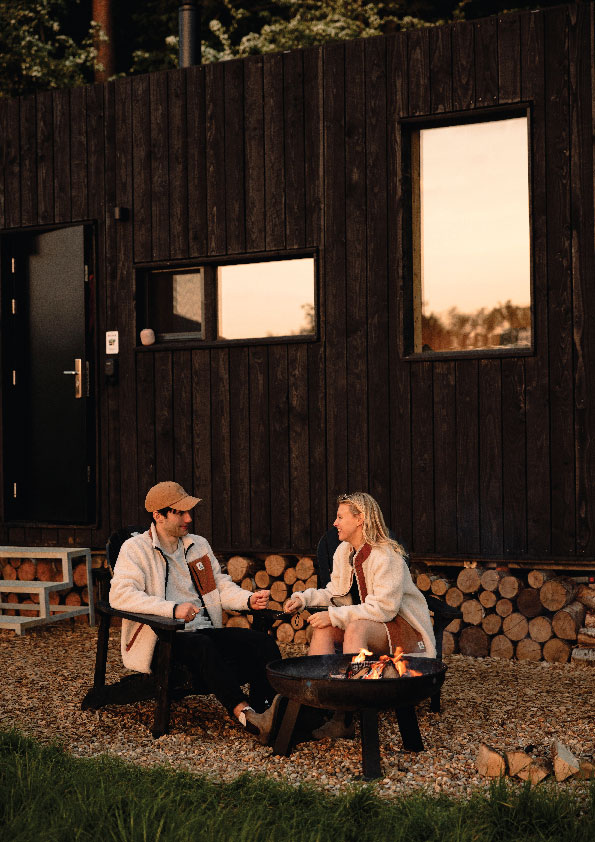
468,457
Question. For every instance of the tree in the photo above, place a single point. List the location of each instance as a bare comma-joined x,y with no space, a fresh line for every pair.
35,52
307,23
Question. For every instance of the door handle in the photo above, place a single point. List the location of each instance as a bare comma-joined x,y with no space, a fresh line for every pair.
78,378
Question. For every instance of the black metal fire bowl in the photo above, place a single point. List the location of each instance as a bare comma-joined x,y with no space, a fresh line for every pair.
307,680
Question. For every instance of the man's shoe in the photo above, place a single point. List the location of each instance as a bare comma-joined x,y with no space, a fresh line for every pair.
335,728
265,723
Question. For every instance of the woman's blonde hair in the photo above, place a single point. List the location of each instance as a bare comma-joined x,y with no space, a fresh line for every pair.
375,531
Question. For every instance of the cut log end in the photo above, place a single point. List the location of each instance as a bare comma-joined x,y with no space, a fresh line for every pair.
490,763
536,771
565,763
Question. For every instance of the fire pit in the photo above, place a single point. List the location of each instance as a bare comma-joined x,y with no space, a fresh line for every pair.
320,681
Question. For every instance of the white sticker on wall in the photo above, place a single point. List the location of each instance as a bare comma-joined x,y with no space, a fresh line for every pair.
111,342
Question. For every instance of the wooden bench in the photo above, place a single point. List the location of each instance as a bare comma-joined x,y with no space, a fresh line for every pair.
66,555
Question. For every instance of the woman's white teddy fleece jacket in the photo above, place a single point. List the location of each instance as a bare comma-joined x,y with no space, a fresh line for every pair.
391,591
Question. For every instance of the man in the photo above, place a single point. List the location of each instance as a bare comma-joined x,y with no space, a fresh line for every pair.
168,572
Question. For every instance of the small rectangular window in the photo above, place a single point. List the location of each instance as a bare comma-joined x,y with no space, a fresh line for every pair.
228,301
471,236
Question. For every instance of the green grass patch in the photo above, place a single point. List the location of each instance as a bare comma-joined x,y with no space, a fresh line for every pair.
45,794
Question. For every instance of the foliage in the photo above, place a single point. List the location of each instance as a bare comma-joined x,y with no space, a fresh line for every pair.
505,324
35,52
49,43
47,794
307,23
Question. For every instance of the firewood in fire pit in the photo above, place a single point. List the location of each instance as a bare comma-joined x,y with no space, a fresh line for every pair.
389,671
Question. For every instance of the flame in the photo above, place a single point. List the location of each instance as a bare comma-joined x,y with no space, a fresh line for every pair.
377,668
361,656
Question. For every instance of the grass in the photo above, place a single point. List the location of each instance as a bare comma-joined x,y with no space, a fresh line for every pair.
47,795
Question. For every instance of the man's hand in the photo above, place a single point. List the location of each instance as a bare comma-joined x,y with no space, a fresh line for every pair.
292,605
185,611
259,600
320,620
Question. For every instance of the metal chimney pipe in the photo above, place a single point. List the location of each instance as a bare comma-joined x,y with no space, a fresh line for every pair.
189,32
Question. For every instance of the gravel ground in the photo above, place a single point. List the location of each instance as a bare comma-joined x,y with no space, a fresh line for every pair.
508,704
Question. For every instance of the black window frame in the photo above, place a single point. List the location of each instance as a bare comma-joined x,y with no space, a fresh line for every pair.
210,266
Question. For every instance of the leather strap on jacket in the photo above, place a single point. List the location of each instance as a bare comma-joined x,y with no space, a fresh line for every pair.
358,562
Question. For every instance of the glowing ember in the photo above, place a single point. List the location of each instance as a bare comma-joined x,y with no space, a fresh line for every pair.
395,666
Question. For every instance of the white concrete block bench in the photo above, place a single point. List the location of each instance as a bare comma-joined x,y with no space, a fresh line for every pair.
19,623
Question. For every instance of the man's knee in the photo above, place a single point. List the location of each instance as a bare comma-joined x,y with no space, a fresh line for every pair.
265,644
194,646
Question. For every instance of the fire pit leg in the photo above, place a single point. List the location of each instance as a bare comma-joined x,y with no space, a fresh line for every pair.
409,728
285,732
370,744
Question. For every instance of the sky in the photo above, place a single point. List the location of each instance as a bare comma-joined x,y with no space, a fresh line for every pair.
475,216
264,299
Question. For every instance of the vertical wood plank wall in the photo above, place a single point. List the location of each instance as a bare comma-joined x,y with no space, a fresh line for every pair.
488,458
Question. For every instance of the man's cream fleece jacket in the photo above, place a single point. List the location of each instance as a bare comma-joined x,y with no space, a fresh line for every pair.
139,585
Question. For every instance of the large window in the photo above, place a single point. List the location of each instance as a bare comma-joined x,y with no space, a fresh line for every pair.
229,301
471,237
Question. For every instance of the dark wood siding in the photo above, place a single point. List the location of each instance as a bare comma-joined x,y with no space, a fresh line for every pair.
483,458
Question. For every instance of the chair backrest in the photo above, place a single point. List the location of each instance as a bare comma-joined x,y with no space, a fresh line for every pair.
326,550
115,541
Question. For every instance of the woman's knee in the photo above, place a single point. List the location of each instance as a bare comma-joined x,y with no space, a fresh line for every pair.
365,634
356,630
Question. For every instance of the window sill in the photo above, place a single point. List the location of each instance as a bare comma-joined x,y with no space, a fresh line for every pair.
475,354
198,344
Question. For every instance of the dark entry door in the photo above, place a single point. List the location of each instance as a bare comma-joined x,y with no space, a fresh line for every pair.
48,412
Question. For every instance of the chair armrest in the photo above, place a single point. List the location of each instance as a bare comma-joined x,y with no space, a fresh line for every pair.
152,620
441,609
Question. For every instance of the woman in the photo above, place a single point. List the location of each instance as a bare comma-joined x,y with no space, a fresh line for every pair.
372,601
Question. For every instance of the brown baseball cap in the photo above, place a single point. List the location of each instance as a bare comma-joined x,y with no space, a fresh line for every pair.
172,494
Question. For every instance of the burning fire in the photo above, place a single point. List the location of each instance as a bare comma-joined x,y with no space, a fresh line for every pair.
376,668
361,656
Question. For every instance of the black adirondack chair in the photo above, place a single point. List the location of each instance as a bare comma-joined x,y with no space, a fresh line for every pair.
443,614
166,683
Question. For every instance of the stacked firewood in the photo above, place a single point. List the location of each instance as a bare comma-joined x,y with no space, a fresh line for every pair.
536,616
282,575
534,765
41,570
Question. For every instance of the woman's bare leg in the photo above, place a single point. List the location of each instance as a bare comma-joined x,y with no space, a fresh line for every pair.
323,640
366,634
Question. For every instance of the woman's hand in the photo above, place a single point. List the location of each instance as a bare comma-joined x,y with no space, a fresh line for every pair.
259,600
320,620
292,605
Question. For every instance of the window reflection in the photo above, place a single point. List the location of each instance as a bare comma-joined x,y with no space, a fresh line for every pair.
471,236
274,298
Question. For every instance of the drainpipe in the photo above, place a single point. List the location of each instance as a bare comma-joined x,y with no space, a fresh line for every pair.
189,32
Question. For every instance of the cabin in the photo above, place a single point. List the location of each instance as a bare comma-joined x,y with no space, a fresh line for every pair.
223,274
